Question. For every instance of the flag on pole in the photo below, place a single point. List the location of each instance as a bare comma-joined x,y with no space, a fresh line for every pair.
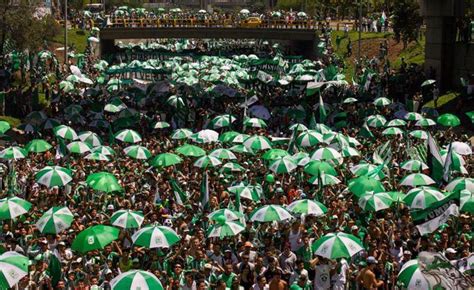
365,132
205,191
54,270
291,144
312,122
180,195
322,110
447,164
435,162
383,154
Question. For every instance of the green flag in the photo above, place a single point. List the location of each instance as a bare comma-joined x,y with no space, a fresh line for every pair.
322,110
54,270
312,122
291,144
435,162
205,191
365,132
180,195
448,162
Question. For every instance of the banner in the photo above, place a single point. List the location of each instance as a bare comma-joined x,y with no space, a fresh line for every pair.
428,220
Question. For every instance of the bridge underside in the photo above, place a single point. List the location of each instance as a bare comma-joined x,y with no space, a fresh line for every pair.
302,41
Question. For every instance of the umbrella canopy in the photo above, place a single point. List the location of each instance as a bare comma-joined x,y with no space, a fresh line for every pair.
166,159
54,176
4,127
155,236
411,276
11,207
308,207
316,167
449,120
466,201
269,213
181,134
207,161
161,125
257,143
137,152
413,116
205,136
90,138
417,179
128,136
13,152
245,191
95,238
326,153
337,245
461,148
103,181
382,102
420,134
231,167
222,121
414,165
223,154
227,137
78,147
376,121
105,150
225,214
136,280
362,169
309,138
65,132
393,131
223,229
127,219
38,146
461,183
191,150
396,123
425,122
55,220
298,127
363,184
422,197
371,201
283,165
349,152
273,154
97,156
239,138
255,123
324,179
13,267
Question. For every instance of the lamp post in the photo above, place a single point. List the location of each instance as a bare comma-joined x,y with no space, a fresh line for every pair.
65,32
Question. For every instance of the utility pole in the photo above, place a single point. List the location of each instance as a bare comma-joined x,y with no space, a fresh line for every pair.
65,32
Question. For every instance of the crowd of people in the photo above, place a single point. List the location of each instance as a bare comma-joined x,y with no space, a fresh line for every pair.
370,129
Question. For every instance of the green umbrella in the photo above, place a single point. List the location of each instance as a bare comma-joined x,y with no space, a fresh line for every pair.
449,120
128,136
284,164
425,122
38,146
420,134
308,207
413,165
161,125
309,138
376,121
257,143
371,201
166,159
396,123
90,138
416,179
239,138
382,102
223,154
191,150
241,149
223,229
66,86
471,116
255,123
461,183
13,267
466,201
13,152
274,154
54,176
316,167
324,179
412,277
127,219
136,280
55,220
4,127
245,191
154,236
95,238
105,150
227,137
181,134
11,207
225,214
78,147
392,131
326,153
137,152
103,181
222,121
97,156
422,197
362,169
349,152
270,213
363,184
231,167
337,245
207,161
65,132
413,116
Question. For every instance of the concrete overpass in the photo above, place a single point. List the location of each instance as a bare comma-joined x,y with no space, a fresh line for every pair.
304,41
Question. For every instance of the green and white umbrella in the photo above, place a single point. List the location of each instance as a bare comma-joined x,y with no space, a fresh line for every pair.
103,181
362,169
97,157
382,102
227,137
245,191
231,167
225,228
191,150
308,207
127,219
239,148
155,236
428,82
239,138
414,165
79,147
66,86
136,280
349,152
105,150
128,136
316,167
95,238
376,121
350,100
223,154
324,179
161,125
326,153
283,165
461,148
363,184
309,138
371,201
13,152
425,122
393,131
412,277
207,161
420,134
225,214
449,120
257,143
38,146
270,213
466,201
54,176
422,197
273,154
222,121
176,102
65,132
13,267
55,220
255,123
396,123
416,179
166,159
137,152
205,136
90,138
4,127
11,207
461,183
413,116
181,134
337,245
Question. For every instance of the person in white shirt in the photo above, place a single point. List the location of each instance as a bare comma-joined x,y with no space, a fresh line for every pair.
339,278
299,271
322,277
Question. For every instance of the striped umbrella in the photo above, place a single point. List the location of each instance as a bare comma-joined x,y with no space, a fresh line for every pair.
321,128
97,157
55,220
302,158
161,125
363,184
54,176
309,138
78,147
137,152
270,213
223,229
414,165
362,169
416,179
422,197
65,132
420,134
396,123
316,167
155,236
239,138
225,214
412,277
298,127
227,137
255,123
371,201
326,153
128,136
308,207
461,183
283,165
337,245
181,134
127,219
257,143
349,100
205,136
11,207
191,150
136,280
222,121
245,191
376,121
324,179
105,150
90,138
413,116
461,148
393,131
38,146
166,159
207,161
425,122
231,167
223,154
349,152
13,152
382,102
274,154
239,148
13,267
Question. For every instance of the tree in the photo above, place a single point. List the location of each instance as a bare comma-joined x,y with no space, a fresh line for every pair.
406,21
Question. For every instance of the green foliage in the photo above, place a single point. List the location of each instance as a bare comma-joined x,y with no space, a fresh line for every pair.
414,53
406,21
75,37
